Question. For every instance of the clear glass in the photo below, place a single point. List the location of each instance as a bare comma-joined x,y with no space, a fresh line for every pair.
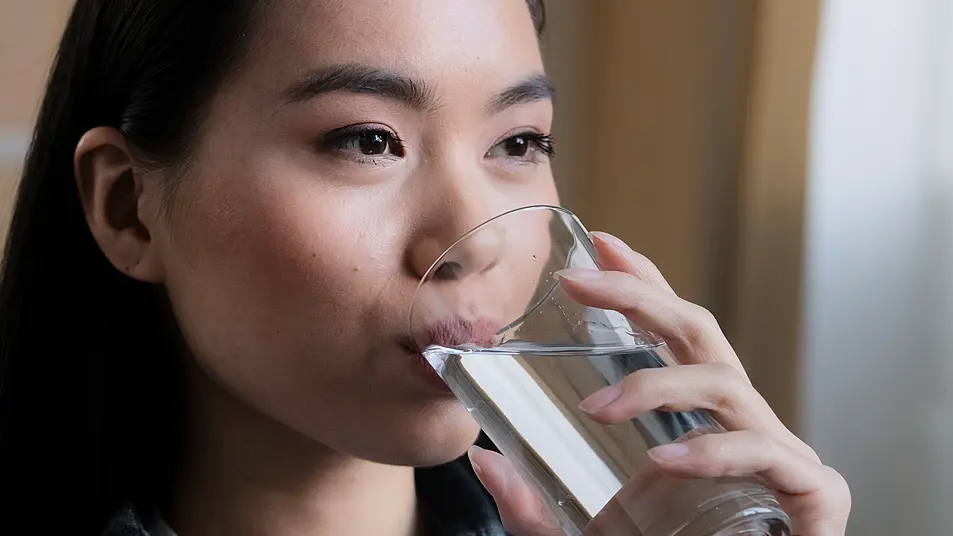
493,321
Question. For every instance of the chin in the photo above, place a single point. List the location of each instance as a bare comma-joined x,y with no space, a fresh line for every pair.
433,435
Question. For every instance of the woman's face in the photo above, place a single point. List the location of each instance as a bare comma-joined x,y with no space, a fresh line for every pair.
353,145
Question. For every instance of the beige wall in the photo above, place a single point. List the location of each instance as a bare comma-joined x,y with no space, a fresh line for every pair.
29,33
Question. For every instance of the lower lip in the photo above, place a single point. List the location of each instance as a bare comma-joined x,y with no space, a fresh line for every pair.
425,371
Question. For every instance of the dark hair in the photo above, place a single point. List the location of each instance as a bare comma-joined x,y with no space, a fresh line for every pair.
91,393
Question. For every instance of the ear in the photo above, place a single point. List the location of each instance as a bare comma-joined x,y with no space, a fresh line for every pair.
113,192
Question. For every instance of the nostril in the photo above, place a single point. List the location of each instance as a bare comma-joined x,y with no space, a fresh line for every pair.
448,271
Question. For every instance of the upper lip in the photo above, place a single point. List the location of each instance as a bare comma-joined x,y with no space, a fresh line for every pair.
455,331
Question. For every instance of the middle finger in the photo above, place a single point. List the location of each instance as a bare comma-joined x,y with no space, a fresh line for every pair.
716,387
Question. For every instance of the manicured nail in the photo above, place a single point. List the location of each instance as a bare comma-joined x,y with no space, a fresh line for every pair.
670,452
615,243
600,399
607,239
578,274
476,467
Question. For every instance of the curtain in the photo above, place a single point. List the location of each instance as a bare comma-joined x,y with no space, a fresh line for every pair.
877,347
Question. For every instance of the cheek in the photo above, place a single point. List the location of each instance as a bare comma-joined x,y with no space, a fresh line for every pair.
276,292
261,275
294,244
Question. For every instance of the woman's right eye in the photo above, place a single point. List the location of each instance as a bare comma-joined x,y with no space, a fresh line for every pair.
365,143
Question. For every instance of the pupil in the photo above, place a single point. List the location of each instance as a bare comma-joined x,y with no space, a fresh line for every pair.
373,143
516,146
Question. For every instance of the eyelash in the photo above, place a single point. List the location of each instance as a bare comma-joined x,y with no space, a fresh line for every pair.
532,143
337,141
544,142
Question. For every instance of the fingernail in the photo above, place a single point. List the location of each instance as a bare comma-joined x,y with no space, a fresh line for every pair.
606,238
600,399
578,274
476,467
616,244
670,452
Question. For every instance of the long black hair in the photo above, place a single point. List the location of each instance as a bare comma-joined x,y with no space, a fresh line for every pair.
91,394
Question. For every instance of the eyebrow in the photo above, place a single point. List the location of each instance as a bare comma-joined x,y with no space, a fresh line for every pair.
417,94
355,78
535,88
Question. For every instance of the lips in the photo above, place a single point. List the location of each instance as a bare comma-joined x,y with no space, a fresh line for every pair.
424,370
456,331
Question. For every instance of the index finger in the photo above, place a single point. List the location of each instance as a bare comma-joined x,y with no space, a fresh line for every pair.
616,255
690,331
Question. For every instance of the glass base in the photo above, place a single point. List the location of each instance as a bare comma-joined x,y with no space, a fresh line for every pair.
754,513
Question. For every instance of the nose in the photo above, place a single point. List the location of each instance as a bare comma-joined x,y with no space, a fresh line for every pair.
453,209
475,254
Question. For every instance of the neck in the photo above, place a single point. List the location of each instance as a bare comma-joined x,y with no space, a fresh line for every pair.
245,474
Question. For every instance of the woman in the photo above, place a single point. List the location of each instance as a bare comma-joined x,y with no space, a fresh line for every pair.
224,213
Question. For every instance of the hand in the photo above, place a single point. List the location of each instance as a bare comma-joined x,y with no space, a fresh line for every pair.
710,377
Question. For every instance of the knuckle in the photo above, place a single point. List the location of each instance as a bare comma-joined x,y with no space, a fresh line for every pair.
711,446
639,389
750,445
705,318
838,490
714,455
809,451
762,444
639,382
645,265
690,334
728,385
698,325
643,260
726,373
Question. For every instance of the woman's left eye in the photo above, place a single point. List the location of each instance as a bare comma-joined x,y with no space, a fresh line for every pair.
526,147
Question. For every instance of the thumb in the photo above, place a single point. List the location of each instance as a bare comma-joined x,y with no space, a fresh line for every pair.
522,508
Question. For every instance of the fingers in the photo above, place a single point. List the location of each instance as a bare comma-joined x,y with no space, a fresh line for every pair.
712,378
823,503
522,509
689,330
615,255
716,387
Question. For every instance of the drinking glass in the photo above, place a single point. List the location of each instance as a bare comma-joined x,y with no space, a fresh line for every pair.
493,321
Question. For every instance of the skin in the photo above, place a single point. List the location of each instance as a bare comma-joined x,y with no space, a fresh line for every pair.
289,260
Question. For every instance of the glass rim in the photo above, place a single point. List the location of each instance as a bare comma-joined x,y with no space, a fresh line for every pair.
527,208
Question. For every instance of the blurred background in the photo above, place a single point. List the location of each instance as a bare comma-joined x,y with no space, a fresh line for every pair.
787,163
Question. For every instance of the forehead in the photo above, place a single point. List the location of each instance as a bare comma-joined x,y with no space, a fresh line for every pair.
452,42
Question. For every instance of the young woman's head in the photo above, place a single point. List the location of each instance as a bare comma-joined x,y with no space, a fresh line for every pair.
224,215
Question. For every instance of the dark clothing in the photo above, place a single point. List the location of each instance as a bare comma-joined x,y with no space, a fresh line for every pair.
454,500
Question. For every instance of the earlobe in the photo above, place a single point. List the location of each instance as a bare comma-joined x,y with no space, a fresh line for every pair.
112,190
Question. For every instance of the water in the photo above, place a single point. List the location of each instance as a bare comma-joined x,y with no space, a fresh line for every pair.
525,398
